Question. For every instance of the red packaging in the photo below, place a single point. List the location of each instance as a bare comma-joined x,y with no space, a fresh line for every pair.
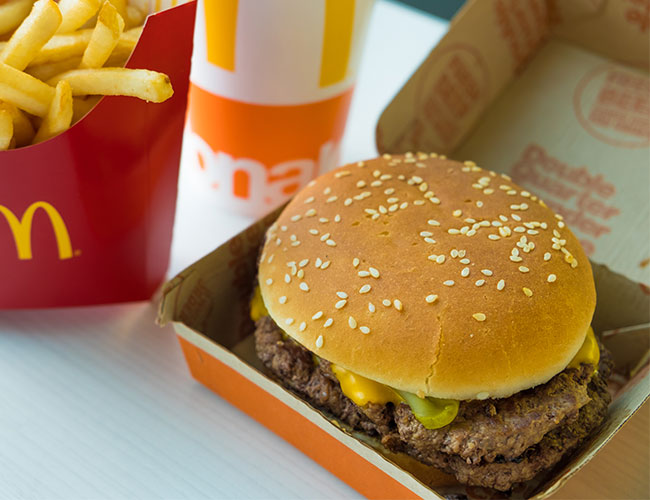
86,217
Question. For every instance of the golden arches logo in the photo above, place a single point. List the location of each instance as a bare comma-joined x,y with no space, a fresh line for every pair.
22,229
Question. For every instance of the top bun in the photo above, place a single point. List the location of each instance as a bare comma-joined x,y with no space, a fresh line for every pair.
430,276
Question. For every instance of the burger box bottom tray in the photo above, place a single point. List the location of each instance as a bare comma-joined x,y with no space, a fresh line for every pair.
208,304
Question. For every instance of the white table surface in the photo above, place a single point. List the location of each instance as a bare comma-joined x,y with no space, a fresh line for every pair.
98,403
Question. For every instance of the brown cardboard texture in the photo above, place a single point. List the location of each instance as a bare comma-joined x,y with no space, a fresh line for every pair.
557,95
208,304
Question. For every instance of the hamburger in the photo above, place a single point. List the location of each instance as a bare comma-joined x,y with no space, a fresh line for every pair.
439,308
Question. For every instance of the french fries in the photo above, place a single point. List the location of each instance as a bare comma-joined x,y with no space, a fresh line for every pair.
23,128
104,38
75,13
24,91
6,130
147,85
59,116
12,14
34,32
61,56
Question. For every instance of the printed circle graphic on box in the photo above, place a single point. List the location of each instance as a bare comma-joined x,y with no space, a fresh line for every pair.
450,93
613,105
270,89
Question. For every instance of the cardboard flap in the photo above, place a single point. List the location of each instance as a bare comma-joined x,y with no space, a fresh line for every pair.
488,42
584,22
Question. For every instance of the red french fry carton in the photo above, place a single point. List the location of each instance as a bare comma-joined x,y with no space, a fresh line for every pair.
86,217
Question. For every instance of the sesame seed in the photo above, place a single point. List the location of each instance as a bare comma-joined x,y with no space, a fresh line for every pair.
386,177
433,222
371,307
416,202
434,200
376,173
477,186
386,302
501,285
327,191
448,283
512,192
525,194
432,257
547,256
480,282
515,258
347,202
295,243
302,326
471,232
318,315
428,194
304,287
340,304
383,209
269,281
352,322
342,295
464,260
325,264
319,341
283,299
325,237
303,262
560,225
337,218
528,292
376,183
551,278
440,259
430,240
364,274
332,199
453,253
309,200
532,231
318,262
453,231
373,272
310,213
328,323
479,203
503,218
389,191
330,243
355,262
313,231
479,316
488,191
486,272
287,278
425,234
398,304
494,237
370,211
430,299
404,204
364,289
515,217
361,164
457,213
323,220
523,269
364,329
288,321
278,242
296,218
361,184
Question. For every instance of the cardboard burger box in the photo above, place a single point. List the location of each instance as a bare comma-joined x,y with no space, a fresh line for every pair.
88,214
530,88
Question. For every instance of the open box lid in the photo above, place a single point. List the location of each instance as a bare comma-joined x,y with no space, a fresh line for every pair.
557,95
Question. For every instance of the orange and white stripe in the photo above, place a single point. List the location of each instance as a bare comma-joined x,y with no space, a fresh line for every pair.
244,49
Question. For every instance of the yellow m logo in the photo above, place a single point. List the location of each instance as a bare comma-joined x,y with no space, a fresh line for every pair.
22,230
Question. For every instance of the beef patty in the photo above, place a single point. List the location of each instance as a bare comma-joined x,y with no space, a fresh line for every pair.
493,443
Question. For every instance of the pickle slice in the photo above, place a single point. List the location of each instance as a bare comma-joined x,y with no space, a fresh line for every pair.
432,413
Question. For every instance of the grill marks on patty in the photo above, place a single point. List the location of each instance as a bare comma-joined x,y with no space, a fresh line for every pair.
491,443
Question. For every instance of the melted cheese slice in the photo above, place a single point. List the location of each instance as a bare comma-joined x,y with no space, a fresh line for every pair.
362,390
589,352
258,309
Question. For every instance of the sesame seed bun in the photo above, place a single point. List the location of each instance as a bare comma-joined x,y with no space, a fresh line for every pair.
438,302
